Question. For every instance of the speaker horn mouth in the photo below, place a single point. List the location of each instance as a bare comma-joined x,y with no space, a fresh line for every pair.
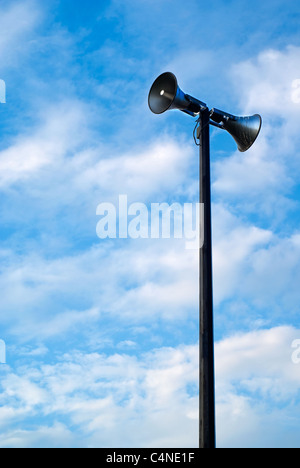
162,93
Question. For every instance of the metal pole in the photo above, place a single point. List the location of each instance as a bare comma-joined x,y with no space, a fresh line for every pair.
207,393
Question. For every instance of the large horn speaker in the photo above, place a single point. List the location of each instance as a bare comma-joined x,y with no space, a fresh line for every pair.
165,94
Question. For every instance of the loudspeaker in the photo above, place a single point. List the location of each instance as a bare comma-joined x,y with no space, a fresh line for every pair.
165,94
244,130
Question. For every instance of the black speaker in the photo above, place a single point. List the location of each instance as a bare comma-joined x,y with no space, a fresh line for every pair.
244,130
165,94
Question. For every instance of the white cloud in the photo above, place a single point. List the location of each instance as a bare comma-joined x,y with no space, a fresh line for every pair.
41,294
22,388
273,278
47,146
257,394
253,265
17,23
252,175
105,394
142,173
234,244
55,436
254,268
267,82
260,181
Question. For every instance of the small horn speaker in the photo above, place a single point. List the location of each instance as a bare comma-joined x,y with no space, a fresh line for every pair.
244,130
165,94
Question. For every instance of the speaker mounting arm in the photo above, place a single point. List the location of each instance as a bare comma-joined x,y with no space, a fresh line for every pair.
217,124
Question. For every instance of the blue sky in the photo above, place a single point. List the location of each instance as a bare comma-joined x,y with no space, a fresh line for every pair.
102,335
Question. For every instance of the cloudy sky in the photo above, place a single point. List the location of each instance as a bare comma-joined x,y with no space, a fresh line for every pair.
101,335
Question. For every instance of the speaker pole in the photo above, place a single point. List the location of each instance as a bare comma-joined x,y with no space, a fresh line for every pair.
164,95
207,381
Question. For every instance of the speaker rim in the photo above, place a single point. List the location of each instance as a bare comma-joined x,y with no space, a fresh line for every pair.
170,74
257,134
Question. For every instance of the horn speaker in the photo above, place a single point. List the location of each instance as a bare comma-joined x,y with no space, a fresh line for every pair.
165,94
244,130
